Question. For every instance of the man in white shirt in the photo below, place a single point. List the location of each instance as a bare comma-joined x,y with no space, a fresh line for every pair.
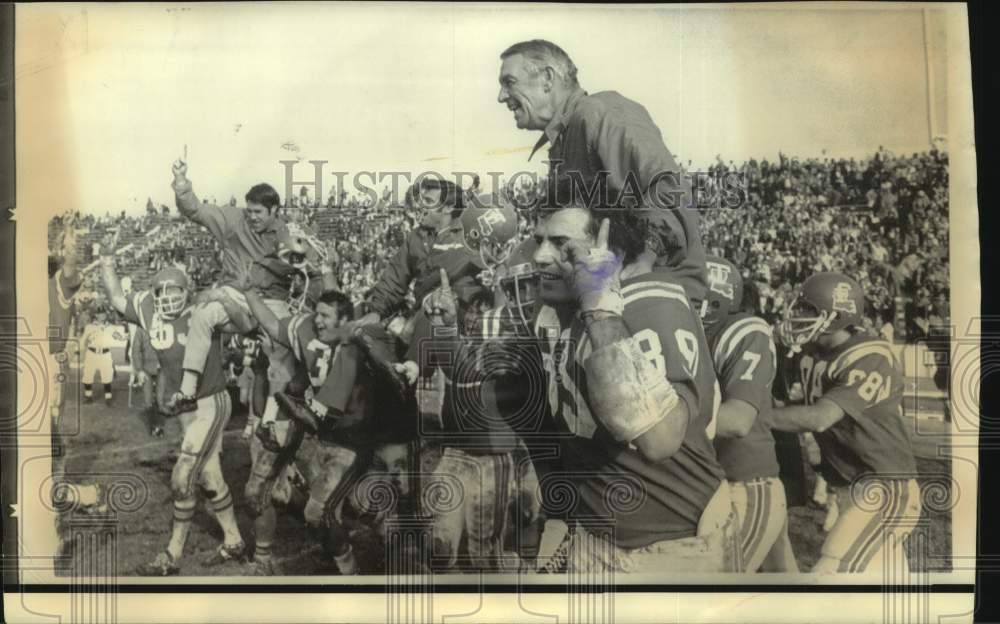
97,340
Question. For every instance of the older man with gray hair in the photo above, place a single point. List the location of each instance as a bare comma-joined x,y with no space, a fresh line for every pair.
605,139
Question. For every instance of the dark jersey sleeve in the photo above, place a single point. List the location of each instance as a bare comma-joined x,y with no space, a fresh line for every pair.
746,365
68,286
139,309
391,288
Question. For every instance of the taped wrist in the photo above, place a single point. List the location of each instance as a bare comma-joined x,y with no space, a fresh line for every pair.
627,393
603,301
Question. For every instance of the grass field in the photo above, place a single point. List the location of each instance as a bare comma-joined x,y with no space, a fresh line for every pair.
114,441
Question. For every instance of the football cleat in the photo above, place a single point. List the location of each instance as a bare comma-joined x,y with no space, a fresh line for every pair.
261,567
162,565
226,554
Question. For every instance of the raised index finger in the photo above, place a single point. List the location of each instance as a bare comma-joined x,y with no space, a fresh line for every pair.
445,284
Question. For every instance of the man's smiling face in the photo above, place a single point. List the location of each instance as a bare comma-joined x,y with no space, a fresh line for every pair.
555,268
529,97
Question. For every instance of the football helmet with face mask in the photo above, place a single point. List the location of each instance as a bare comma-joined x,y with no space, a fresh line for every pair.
518,282
825,303
301,250
170,292
490,230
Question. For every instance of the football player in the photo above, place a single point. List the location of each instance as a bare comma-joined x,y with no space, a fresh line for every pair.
65,280
640,395
482,452
853,387
745,361
339,415
163,311
484,462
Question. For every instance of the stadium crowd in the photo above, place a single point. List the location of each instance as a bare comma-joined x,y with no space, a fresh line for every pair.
882,220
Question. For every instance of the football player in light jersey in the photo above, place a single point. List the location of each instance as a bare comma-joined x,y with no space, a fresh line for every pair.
745,361
64,282
640,394
163,311
97,361
853,388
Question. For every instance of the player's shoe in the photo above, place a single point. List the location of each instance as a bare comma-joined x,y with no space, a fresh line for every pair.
297,410
553,560
260,567
226,554
162,565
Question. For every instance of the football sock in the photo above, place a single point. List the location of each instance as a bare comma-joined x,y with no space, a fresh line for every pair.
88,390
270,411
107,391
183,514
222,507
264,528
189,383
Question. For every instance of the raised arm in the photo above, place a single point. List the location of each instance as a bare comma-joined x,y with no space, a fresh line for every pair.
211,217
109,277
69,250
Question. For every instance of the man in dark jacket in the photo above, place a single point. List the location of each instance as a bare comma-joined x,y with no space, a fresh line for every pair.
610,136
437,243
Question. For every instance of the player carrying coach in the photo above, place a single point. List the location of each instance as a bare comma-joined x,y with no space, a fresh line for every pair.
605,134
245,235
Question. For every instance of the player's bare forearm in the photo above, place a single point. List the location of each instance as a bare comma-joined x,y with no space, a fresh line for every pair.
666,436
806,418
265,317
605,328
112,285
736,418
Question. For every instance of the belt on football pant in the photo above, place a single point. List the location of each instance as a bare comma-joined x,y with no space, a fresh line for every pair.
98,351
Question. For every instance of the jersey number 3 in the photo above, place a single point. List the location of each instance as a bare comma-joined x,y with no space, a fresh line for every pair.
321,363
